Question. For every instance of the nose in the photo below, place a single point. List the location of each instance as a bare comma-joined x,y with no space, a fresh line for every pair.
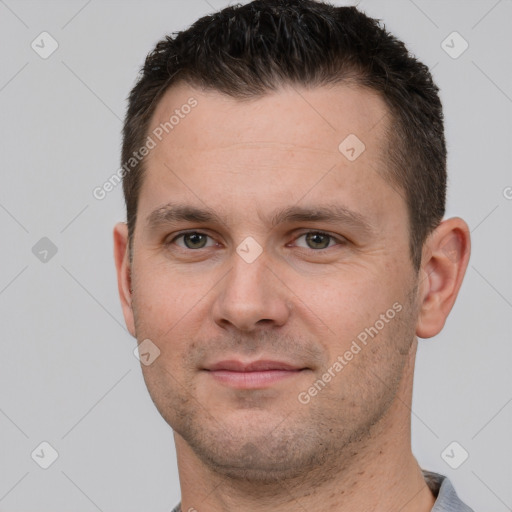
251,296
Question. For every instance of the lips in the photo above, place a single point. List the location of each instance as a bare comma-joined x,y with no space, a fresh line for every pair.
252,375
254,366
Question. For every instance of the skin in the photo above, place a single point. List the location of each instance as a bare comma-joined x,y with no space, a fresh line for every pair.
349,447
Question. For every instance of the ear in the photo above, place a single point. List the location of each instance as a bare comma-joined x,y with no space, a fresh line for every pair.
122,261
444,262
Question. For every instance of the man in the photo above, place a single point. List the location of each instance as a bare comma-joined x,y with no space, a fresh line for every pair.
284,248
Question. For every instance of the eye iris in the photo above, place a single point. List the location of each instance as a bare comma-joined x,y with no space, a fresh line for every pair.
198,240
314,240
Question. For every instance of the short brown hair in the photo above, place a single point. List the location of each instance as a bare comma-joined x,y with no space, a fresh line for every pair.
247,50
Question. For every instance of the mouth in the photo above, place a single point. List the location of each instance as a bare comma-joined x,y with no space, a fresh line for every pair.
252,375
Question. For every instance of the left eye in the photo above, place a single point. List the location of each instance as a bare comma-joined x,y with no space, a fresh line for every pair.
316,240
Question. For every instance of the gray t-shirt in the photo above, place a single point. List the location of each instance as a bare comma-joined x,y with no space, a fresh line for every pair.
441,487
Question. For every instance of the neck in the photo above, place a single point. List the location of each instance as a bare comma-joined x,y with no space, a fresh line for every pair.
377,473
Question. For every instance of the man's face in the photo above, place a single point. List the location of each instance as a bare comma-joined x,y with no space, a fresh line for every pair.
316,286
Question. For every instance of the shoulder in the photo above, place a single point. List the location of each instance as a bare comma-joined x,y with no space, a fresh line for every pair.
447,499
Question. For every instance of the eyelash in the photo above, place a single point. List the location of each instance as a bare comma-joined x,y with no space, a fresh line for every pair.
340,241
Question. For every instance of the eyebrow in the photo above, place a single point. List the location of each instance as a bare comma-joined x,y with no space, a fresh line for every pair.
333,213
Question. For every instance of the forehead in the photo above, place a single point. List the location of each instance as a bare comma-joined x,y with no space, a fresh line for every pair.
294,144
316,117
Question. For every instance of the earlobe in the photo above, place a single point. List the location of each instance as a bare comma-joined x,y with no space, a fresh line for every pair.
123,269
445,259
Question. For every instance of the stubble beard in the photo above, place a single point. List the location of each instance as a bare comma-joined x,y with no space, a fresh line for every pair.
313,442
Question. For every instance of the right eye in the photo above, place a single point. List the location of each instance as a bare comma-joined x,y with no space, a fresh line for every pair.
192,240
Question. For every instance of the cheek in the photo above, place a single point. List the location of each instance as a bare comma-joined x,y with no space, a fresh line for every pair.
332,306
163,298
348,305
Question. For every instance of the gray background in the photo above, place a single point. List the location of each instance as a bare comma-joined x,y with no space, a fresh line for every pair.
68,375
